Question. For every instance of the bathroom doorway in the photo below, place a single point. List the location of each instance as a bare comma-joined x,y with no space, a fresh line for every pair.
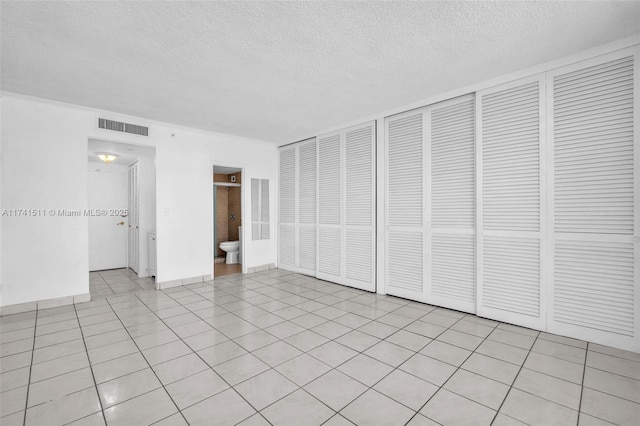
227,218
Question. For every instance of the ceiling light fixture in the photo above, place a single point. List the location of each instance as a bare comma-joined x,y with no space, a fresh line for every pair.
107,157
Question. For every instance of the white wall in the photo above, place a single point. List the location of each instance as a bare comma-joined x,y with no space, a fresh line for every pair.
44,160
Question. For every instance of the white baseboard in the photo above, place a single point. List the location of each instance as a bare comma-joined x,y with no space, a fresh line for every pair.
44,304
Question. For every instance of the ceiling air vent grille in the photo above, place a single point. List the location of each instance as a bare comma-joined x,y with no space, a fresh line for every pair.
119,126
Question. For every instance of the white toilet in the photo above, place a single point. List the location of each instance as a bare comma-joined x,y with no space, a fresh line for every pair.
232,248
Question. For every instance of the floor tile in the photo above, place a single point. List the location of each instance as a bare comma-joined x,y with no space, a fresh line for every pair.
95,419
224,408
144,409
503,351
333,353
255,420
221,352
532,409
477,388
429,369
59,386
389,353
548,387
64,410
284,329
448,408
240,369
57,351
425,329
420,420
14,379
205,340
265,388
337,420
196,388
357,340
303,369
558,350
614,365
115,350
277,353
556,367
119,367
610,408
179,368
445,352
378,329
166,352
58,366
306,340
149,341
373,408
491,368
299,408
518,340
13,401
409,340
335,389
365,369
14,362
255,340
613,384
126,387
406,389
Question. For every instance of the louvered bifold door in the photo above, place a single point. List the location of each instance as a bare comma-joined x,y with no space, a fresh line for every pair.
405,190
307,207
511,199
330,206
452,205
134,219
595,167
359,201
287,209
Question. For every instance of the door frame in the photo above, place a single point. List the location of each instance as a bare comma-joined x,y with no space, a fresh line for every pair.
212,221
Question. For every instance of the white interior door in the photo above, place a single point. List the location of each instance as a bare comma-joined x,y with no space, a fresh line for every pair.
511,203
594,244
107,234
287,209
346,207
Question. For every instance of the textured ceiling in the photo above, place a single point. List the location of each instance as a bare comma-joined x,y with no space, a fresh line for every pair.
281,71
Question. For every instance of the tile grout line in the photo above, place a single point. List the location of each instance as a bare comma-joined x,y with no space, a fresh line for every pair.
95,384
33,349
584,372
516,378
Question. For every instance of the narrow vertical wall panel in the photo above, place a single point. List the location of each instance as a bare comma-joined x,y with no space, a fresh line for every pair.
594,157
452,184
511,236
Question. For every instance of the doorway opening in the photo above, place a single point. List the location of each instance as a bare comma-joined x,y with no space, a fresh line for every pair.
121,213
227,220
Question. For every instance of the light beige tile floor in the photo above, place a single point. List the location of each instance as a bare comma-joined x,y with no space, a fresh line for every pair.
284,349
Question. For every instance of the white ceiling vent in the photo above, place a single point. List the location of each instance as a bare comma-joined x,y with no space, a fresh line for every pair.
119,126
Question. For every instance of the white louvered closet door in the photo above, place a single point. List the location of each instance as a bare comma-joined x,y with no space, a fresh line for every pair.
594,157
359,215
346,207
330,206
133,258
405,237
452,205
307,207
287,209
511,199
